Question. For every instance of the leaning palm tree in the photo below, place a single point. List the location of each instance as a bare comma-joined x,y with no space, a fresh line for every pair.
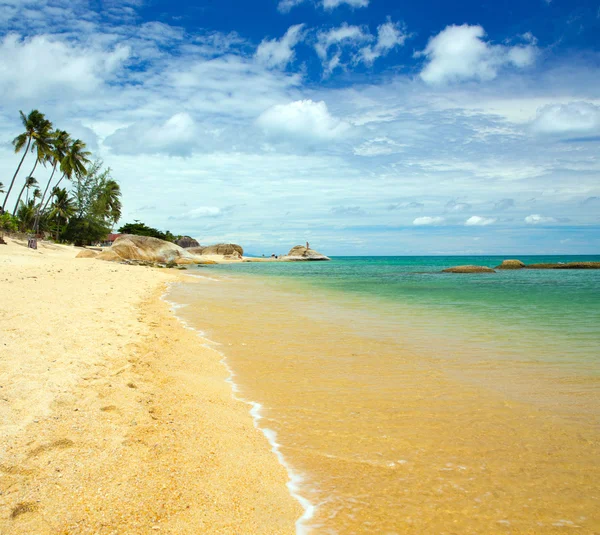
34,123
26,215
62,208
73,163
60,145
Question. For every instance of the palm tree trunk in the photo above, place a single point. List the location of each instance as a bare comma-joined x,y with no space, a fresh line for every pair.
39,211
56,186
16,173
19,198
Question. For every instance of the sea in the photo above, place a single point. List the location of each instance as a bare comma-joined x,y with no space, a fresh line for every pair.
404,400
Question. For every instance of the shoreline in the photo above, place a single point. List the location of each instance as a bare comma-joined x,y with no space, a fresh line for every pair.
294,477
114,417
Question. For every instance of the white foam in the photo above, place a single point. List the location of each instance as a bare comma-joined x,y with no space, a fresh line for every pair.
295,479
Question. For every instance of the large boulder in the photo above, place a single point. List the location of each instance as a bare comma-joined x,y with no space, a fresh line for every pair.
469,269
145,249
511,264
300,253
195,250
186,242
223,249
87,253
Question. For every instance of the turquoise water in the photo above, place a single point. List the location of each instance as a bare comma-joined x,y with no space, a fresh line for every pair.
555,314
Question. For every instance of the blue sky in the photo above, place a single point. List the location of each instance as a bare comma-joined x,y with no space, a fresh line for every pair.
362,126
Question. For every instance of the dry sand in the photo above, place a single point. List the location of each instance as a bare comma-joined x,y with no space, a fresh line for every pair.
113,418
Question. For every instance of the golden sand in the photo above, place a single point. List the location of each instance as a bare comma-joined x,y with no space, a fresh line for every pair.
397,442
113,418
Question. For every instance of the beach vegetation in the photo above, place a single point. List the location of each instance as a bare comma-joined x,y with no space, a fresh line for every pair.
140,229
84,211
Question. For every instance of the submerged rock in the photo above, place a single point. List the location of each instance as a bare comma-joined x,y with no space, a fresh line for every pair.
469,269
299,253
568,265
511,264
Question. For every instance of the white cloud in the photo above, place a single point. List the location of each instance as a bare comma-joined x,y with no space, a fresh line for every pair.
389,35
453,206
302,119
279,52
200,212
332,4
573,118
479,221
378,146
428,221
176,136
43,66
536,219
285,6
344,35
460,53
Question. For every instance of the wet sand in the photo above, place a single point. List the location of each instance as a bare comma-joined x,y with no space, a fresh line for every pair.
393,440
113,417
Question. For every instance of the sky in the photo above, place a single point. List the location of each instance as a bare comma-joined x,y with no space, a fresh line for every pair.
366,127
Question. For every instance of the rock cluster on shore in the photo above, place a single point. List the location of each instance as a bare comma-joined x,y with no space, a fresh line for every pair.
469,269
222,249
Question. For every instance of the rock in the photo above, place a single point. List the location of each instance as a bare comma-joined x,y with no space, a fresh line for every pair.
223,249
146,249
469,269
300,253
568,265
195,250
186,242
87,253
511,264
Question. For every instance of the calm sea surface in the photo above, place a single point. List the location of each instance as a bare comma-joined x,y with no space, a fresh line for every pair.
413,401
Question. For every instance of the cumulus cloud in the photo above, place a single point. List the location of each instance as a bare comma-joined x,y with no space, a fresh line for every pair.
302,119
49,66
389,35
279,52
428,221
285,6
536,219
574,118
460,53
479,221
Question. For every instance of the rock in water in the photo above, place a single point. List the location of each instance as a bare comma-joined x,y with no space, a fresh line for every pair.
299,253
147,249
511,264
186,242
469,269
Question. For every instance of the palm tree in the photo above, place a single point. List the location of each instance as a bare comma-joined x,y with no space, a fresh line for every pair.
1,187
30,182
111,198
34,124
26,215
73,163
55,154
37,193
62,208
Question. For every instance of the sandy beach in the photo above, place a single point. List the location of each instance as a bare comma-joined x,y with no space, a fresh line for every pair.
113,417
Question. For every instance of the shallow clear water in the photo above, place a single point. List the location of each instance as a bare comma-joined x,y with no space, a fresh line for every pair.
415,401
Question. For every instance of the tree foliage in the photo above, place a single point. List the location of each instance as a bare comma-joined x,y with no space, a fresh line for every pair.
140,229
